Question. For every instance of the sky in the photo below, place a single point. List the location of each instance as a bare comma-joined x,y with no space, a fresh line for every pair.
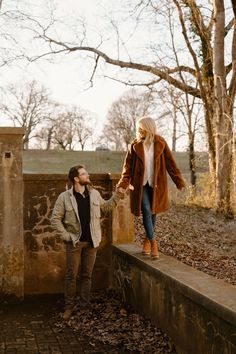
66,78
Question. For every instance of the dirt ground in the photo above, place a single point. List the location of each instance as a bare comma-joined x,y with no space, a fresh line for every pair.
198,237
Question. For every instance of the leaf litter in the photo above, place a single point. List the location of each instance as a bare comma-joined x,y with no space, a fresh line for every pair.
112,322
198,237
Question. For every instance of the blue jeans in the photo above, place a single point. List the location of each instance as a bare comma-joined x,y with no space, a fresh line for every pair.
149,219
80,257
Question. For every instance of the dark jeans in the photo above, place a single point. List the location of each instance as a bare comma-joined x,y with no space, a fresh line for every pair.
82,256
149,219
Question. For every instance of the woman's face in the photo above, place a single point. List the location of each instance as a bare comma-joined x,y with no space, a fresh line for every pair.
141,133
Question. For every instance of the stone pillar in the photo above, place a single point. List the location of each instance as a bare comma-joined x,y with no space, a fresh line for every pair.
123,222
11,213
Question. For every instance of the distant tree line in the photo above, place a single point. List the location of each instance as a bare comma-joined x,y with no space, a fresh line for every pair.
47,123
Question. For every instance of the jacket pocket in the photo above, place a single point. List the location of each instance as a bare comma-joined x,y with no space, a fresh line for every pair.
70,216
96,211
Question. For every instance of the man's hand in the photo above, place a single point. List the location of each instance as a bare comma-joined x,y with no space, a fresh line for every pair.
120,190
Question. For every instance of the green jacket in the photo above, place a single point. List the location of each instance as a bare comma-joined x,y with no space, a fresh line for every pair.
65,218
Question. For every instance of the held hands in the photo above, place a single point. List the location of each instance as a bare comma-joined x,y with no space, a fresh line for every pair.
120,192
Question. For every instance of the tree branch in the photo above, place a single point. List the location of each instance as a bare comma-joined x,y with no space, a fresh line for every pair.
162,74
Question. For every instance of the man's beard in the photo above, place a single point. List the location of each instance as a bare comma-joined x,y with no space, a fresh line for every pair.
85,183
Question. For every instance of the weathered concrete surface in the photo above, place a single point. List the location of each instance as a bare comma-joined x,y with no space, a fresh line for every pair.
44,251
198,311
123,222
11,213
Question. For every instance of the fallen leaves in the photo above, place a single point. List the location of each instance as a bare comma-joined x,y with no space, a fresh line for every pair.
111,322
198,237
195,236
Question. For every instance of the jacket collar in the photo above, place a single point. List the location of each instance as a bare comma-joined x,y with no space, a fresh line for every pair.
88,187
138,148
159,145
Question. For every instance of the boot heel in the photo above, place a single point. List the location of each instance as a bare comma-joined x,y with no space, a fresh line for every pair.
154,249
146,247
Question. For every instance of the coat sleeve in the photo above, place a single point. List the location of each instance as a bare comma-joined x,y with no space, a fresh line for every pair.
108,205
127,170
57,217
173,169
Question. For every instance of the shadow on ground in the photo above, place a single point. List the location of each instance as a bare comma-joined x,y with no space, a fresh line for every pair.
35,326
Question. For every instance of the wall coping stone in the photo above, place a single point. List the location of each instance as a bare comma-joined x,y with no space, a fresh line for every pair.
59,176
213,294
12,131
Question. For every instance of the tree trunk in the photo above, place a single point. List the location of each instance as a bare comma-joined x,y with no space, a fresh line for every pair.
233,185
209,116
192,168
49,138
223,116
224,138
174,138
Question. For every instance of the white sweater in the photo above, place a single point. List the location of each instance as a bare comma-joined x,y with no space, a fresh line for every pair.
149,164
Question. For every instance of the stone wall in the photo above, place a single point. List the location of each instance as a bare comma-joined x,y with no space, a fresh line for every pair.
11,213
195,309
44,251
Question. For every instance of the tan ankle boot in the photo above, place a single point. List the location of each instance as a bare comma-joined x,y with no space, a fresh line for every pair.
154,249
146,247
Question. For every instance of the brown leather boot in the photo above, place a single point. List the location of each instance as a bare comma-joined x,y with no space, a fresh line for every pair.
154,249
67,314
146,247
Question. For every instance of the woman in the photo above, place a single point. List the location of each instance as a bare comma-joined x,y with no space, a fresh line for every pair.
144,172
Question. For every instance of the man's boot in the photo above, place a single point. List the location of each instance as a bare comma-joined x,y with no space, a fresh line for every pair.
67,314
154,249
146,247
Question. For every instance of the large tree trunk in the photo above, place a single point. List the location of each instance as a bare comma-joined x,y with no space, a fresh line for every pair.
224,138
223,117
233,185
209,116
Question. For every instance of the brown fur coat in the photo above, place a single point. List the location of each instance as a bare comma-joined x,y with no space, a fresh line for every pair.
133,175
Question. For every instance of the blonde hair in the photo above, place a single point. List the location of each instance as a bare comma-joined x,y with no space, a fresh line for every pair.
148,124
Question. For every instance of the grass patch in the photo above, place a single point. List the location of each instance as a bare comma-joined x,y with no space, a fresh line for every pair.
54,161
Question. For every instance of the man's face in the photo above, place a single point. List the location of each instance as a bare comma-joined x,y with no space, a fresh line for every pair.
83,177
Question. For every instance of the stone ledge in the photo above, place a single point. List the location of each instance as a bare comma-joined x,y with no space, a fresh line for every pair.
212,293
197,310
12,131
64,176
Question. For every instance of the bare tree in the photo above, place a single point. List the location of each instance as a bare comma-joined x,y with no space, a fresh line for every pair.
214,80
223,105
26,106
120,127
208,70
191,116
83,128
12,33
66,128
169,100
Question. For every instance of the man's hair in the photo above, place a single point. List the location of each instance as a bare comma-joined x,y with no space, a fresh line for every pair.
74,172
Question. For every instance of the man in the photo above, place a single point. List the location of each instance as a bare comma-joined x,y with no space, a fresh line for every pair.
76,218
